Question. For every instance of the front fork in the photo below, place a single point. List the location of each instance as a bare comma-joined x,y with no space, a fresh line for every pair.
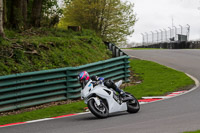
96,99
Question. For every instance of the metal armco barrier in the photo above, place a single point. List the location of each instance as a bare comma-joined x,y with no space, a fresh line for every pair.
116,52
34,88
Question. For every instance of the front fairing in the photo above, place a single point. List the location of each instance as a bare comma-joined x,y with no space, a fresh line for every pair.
86,90
89,90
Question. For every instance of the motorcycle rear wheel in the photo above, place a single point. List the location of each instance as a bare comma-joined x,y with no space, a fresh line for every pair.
133,106
99,111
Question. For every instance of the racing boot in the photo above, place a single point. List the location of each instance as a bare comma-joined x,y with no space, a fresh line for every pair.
124,97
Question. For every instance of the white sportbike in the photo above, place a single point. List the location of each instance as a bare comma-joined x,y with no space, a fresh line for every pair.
102,101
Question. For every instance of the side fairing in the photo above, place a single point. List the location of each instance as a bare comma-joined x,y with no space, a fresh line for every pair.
113,105
104,93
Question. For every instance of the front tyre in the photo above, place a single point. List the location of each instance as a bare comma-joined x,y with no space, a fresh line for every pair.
100,111
133,106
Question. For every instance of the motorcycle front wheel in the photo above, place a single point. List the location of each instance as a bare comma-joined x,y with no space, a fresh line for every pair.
133,106
100,111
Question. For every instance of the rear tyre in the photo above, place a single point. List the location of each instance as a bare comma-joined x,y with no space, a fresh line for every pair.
100,111
133,106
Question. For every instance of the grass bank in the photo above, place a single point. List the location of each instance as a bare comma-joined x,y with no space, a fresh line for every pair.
156,80
44,48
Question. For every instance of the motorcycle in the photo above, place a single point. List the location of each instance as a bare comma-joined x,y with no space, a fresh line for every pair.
102,101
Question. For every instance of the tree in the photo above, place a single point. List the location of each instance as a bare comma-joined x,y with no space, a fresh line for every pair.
36,13
45,13
4,12
16,14
23,14
1,19
113,20
51,13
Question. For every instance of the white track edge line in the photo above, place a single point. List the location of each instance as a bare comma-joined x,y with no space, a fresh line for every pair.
45,119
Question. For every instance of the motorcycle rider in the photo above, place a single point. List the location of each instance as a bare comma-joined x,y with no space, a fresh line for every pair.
84,78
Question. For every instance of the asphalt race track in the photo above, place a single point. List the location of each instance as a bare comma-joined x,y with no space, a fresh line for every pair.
173,115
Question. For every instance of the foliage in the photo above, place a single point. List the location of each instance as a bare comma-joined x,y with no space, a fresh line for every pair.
51,13
44,48
49,17
112,20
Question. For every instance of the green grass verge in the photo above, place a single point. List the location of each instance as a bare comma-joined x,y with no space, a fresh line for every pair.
157,80
198,131
44,113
